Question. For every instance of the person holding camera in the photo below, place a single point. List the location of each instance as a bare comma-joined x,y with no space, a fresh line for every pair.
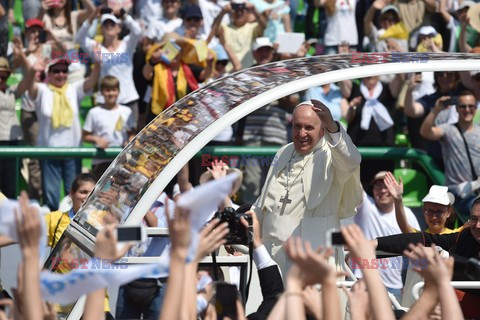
460,149
314,183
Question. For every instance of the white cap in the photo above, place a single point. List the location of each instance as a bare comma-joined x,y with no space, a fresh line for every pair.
390,7
466,4
440,195
262,42
427,30
109,16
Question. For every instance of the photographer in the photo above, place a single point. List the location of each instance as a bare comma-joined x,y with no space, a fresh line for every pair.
461,153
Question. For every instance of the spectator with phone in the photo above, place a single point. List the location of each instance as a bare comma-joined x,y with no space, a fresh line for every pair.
460,150
63,22
109,124
377,218
115,53
446,83
240,33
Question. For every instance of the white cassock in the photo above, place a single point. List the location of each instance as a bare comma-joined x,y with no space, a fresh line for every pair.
324,187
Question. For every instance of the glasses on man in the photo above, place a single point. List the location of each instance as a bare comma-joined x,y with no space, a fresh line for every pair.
437,213
465,106
57,71
473,220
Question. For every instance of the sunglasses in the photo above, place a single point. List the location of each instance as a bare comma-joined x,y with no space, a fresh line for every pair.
465,106
437,213
222,62
57,71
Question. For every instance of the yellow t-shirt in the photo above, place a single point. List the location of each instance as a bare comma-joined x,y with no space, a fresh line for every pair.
240,40
446,231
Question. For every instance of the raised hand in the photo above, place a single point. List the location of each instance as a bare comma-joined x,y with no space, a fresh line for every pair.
395,188
219,169
179,229
358,300
211,238
379,4
257,231
430,264
356,242
325,116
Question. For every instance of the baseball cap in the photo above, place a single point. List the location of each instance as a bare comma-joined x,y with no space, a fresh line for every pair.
56,61
262,42
427,31
192,11
4,65
389,8
440,195
379,176
109,16
34,23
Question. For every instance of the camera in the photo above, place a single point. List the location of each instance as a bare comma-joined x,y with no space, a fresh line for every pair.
450,102
238,6
238,234
472,270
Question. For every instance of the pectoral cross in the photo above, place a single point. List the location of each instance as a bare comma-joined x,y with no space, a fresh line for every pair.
284,202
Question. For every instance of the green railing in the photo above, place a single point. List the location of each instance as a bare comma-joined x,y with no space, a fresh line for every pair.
413,155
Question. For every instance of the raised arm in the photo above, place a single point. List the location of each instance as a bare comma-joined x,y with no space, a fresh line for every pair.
135,32
362,248
262,21
92,79
428,130
412,108
368,20
396,84
396,190
27,70
462,38
87,11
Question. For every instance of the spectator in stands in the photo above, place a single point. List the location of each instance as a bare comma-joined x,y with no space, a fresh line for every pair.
377,218
116,54
147,11
109,124
454,22
240,33
391,27
38,54
10,130
429,40
341,25
57,107
469,40
461,153
370,118
170,21
446,84
210,10
4,20
437,207
331,95
163,72
277,13
63,22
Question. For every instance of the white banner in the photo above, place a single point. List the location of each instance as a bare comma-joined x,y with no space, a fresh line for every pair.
96,274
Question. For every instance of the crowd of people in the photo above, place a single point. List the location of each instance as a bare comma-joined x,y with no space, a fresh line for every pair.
140,57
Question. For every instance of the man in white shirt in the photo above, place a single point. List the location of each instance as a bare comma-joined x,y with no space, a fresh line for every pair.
376,218
57,105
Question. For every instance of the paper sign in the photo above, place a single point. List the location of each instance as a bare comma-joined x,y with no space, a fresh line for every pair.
290,42
170,51
201,49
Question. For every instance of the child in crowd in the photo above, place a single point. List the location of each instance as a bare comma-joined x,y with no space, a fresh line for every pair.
109,124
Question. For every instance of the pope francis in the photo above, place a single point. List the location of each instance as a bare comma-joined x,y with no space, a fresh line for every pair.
314,183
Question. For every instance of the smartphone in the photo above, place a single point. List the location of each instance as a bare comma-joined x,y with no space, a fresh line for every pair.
131,233
226,300
334,238
42,36
450,102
